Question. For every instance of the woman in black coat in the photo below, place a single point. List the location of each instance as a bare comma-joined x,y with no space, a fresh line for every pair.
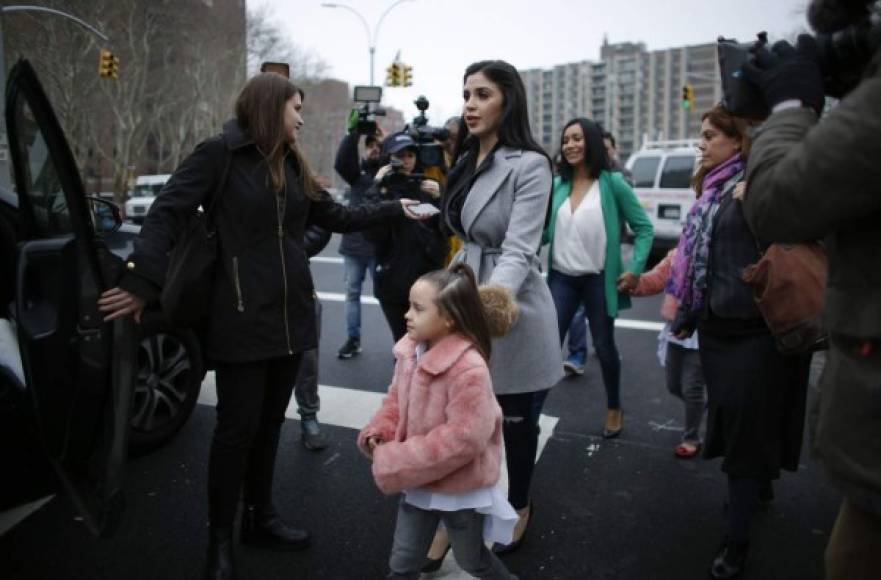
405,250
262,315
756,395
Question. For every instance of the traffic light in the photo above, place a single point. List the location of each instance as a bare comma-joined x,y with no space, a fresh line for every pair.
687,96
108,64
407,75
393,79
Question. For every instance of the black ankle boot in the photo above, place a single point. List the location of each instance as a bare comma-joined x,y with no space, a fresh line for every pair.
730,560
262,528
221,562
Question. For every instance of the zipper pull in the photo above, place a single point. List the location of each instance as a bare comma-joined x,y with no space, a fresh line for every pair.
280,231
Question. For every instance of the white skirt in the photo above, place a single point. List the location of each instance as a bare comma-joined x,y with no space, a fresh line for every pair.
498,526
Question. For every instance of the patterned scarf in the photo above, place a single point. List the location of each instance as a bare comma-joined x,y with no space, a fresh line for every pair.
688,280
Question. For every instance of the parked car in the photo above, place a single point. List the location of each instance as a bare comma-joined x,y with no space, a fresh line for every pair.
147,187
87,392
662,172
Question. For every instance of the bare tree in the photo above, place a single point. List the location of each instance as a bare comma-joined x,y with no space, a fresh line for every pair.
268,42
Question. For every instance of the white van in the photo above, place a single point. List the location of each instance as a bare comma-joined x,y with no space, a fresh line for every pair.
147,187
662,172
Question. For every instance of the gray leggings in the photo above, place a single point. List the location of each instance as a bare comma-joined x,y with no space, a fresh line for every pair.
415,530
685,381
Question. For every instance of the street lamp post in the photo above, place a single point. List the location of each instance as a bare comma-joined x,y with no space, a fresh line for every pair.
371,35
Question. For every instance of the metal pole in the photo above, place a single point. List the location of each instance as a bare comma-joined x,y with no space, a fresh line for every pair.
371,35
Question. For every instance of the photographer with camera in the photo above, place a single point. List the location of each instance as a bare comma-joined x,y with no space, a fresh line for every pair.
358,253
808,180
404,253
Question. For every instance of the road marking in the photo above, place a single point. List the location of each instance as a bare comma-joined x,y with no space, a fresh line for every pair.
619,322
326,260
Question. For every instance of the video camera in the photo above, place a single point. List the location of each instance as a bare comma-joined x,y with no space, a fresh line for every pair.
366,97
430,151
843,55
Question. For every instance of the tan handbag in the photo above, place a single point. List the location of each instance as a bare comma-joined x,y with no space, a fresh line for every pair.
789,284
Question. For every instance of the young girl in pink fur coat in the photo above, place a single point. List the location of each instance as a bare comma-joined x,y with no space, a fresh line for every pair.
438,435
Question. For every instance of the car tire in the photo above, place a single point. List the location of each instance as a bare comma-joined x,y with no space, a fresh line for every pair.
169,375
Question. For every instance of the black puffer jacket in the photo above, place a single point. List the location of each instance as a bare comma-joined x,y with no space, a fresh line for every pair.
405,249
262,304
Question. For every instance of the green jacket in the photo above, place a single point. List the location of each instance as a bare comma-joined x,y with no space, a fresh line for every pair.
619,205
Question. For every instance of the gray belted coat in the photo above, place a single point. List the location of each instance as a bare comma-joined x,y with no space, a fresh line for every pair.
503,218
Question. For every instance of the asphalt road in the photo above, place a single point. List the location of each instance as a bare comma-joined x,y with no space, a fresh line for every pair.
623,509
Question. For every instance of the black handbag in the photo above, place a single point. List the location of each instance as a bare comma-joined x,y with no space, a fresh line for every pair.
191,263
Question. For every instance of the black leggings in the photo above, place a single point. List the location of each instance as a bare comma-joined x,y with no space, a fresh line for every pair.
251,403
520,428
744,495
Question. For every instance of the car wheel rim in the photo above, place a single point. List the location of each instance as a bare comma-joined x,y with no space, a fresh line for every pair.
162,383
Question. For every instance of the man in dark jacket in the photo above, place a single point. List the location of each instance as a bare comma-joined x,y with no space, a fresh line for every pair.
812,180
358,253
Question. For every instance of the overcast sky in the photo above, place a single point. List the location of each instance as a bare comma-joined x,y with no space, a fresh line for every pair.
440,38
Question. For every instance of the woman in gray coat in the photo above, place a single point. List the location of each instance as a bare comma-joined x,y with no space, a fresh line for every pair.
497,197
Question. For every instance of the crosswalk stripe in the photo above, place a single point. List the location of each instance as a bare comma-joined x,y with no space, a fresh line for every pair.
619,322
326,260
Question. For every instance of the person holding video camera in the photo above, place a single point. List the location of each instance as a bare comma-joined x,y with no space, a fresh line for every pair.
358,253
403,252
812,179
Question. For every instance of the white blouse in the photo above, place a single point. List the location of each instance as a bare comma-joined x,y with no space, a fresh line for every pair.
580,237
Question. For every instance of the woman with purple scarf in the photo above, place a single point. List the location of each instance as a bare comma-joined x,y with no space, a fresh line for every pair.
756,395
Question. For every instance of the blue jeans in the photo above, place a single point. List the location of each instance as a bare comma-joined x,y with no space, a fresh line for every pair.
589,291
356,268
578,335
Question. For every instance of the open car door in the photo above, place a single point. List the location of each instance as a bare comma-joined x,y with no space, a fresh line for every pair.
79,370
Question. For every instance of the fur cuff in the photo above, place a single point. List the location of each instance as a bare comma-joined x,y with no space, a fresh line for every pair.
500,308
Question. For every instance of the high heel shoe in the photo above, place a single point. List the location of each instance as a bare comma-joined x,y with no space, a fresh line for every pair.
614,423
525,517
440,543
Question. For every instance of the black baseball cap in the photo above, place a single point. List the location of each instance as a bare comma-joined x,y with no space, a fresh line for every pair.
397,142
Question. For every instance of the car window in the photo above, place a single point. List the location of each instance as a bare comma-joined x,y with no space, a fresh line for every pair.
45,193
644,171
677,172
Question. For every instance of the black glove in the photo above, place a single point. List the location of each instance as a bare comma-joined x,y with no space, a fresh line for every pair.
786,72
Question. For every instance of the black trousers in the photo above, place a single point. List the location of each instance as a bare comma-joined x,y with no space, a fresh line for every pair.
520,429
251,403
394,314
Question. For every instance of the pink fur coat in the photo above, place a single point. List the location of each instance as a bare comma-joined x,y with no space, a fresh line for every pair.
440,424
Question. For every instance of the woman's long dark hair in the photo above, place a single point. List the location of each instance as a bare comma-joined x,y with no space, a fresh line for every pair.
458,298
731,126
596,159
260,112
514,130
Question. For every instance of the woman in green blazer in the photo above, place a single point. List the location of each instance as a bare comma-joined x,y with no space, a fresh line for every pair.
589,205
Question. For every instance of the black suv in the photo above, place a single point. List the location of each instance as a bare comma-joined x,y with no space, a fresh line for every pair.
86,393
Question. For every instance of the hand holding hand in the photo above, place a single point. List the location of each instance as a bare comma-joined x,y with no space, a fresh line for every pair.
116,303
627,282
